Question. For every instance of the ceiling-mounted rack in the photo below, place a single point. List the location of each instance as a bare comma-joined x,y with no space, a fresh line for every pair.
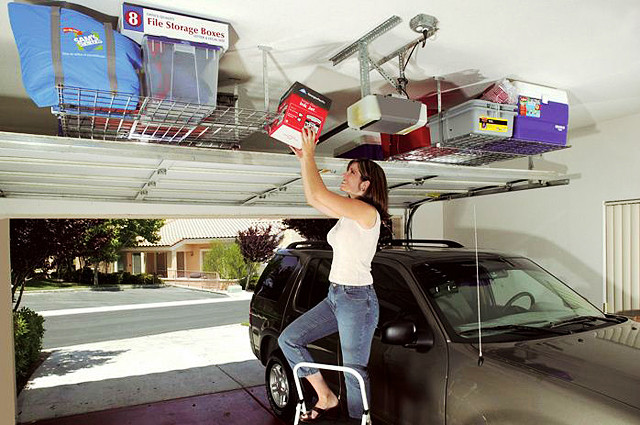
103,115
477,149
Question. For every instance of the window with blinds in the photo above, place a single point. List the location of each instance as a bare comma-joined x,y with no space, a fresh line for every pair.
622,256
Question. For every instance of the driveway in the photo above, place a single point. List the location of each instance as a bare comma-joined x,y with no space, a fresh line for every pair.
104,375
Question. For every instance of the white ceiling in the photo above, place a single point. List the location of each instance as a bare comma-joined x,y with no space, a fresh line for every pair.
591,48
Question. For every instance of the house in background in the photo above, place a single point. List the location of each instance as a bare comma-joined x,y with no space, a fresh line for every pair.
184,243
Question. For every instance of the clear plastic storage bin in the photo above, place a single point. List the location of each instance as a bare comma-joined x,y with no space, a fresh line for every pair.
180,70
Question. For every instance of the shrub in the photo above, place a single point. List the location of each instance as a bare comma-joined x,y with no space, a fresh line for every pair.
28,330
127,278
83,276
137,279
147,279
226,259
109,278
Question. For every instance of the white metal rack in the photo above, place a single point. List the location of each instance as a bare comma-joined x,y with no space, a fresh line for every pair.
104,115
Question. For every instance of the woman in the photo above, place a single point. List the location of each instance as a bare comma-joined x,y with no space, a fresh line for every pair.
351,307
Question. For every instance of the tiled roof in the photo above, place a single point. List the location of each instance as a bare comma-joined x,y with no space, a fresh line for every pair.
176,230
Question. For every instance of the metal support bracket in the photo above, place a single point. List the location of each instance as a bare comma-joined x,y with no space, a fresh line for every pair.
272,191
360,46
512,186
367,64
416,182
152,182
367,38
406,47
386,76
363,58
265,76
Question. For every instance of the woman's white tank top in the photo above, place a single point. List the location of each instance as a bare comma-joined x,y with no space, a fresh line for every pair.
353,249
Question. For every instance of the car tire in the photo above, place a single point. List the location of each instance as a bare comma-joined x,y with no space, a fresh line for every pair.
281,388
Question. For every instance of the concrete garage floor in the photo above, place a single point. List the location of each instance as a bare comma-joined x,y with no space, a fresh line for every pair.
244,406
201,376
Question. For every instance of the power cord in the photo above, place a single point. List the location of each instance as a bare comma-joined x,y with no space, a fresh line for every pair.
402,81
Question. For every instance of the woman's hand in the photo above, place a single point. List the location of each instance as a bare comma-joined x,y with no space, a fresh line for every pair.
308,147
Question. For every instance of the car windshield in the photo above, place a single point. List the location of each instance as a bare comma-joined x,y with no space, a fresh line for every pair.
518,299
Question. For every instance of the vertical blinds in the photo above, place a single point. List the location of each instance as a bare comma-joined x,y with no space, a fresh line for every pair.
622,253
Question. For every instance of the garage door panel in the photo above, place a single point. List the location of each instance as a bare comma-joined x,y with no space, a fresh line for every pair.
17,188
59,168
213,185
223,176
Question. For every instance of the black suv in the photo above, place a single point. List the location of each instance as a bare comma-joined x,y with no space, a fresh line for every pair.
540,353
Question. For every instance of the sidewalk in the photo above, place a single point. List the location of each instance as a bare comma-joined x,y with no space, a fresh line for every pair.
193,374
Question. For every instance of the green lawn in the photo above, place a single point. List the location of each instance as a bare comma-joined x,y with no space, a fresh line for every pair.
39,285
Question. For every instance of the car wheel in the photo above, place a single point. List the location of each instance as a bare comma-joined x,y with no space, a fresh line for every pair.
281,388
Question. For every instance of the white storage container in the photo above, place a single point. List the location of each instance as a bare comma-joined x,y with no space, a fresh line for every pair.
473,117
545,94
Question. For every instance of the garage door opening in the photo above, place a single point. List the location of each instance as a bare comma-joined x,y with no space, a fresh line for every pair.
183,334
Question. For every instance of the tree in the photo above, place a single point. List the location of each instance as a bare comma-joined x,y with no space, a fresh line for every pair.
313,229
103,242
35,243
257,245
225,259
316,229
42,244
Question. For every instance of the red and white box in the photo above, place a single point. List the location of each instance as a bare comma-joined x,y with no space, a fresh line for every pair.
299,107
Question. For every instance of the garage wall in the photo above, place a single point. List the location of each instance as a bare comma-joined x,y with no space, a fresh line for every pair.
428,222
7,371
561,228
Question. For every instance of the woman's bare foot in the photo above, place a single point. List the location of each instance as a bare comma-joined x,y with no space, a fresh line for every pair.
324,403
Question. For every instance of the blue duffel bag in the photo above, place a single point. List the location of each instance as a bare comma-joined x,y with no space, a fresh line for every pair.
62,47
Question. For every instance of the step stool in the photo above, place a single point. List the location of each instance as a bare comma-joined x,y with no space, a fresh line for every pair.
366,418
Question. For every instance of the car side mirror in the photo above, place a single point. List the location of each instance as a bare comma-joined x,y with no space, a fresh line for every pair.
405,333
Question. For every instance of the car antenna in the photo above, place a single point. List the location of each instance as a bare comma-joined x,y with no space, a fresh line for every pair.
475,232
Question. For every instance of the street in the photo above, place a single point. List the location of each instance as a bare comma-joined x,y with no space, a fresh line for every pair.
79,317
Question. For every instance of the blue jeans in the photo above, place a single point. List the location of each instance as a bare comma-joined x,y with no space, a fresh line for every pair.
353,312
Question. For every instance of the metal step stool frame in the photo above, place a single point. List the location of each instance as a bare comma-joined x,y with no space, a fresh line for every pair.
300,407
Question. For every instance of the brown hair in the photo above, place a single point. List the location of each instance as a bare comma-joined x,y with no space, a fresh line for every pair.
377,192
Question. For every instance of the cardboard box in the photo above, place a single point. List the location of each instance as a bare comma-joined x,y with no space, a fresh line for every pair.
300,107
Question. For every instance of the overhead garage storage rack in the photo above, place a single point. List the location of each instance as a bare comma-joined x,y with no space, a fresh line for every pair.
104,115
99,176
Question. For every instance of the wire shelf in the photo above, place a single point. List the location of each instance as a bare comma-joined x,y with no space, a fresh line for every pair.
508,146
104,115
451,156
476,150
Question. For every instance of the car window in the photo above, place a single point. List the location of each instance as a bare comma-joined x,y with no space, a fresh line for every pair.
394,296
315,284
508,285
511,292
275,276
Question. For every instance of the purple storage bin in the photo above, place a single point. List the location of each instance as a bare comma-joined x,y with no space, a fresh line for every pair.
550,127
367,150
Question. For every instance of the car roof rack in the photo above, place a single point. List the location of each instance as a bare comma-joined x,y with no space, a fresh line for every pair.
410,242
309,244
